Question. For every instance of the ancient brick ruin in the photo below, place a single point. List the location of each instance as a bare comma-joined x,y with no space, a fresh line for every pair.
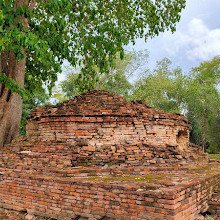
100,157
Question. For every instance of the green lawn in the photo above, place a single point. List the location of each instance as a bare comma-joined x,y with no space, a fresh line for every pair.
215,156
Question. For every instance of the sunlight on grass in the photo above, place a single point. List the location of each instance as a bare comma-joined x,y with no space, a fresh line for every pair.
215,156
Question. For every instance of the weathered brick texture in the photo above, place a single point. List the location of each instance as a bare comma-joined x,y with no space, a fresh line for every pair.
99,118
71,197
100,157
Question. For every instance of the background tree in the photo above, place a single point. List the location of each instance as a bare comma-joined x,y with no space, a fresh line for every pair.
196,94
116,80
30,101
37,35
214,134
203,102
163,89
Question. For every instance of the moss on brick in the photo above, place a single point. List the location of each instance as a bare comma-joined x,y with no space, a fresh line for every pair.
146,178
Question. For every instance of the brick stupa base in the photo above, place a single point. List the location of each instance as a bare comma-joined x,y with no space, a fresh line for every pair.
74,164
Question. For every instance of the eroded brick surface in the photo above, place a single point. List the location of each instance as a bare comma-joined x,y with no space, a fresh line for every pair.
99,118
100,157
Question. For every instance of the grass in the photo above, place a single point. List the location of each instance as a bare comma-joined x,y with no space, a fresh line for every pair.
215,156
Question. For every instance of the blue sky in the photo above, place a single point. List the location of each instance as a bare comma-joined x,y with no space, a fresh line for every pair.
197,37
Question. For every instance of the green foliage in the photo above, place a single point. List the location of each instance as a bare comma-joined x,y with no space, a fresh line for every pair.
115,80
203,103
209,218
118,84
196,95
31,101
214,134
70,87
11,84
215,156
163,89
86,33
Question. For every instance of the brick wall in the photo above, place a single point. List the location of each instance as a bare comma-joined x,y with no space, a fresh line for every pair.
100,157
60,155
214,202
100,118
96,133
66,197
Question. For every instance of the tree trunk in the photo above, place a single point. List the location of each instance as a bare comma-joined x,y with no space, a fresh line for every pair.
204,138
11,103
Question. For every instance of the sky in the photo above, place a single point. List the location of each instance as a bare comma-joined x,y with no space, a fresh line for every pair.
197,37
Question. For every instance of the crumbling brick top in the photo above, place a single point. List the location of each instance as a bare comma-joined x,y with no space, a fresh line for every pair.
101,157
99,103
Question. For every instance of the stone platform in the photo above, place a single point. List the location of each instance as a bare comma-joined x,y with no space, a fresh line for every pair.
100,157
36,180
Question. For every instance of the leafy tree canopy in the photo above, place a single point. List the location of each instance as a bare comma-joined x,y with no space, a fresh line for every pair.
115,80
203,103
163,89
196,94
38,98
88,33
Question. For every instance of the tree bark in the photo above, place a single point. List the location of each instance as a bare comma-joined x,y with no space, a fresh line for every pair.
11,103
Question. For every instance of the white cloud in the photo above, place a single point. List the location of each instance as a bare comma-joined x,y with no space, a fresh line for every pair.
205,42
197,42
